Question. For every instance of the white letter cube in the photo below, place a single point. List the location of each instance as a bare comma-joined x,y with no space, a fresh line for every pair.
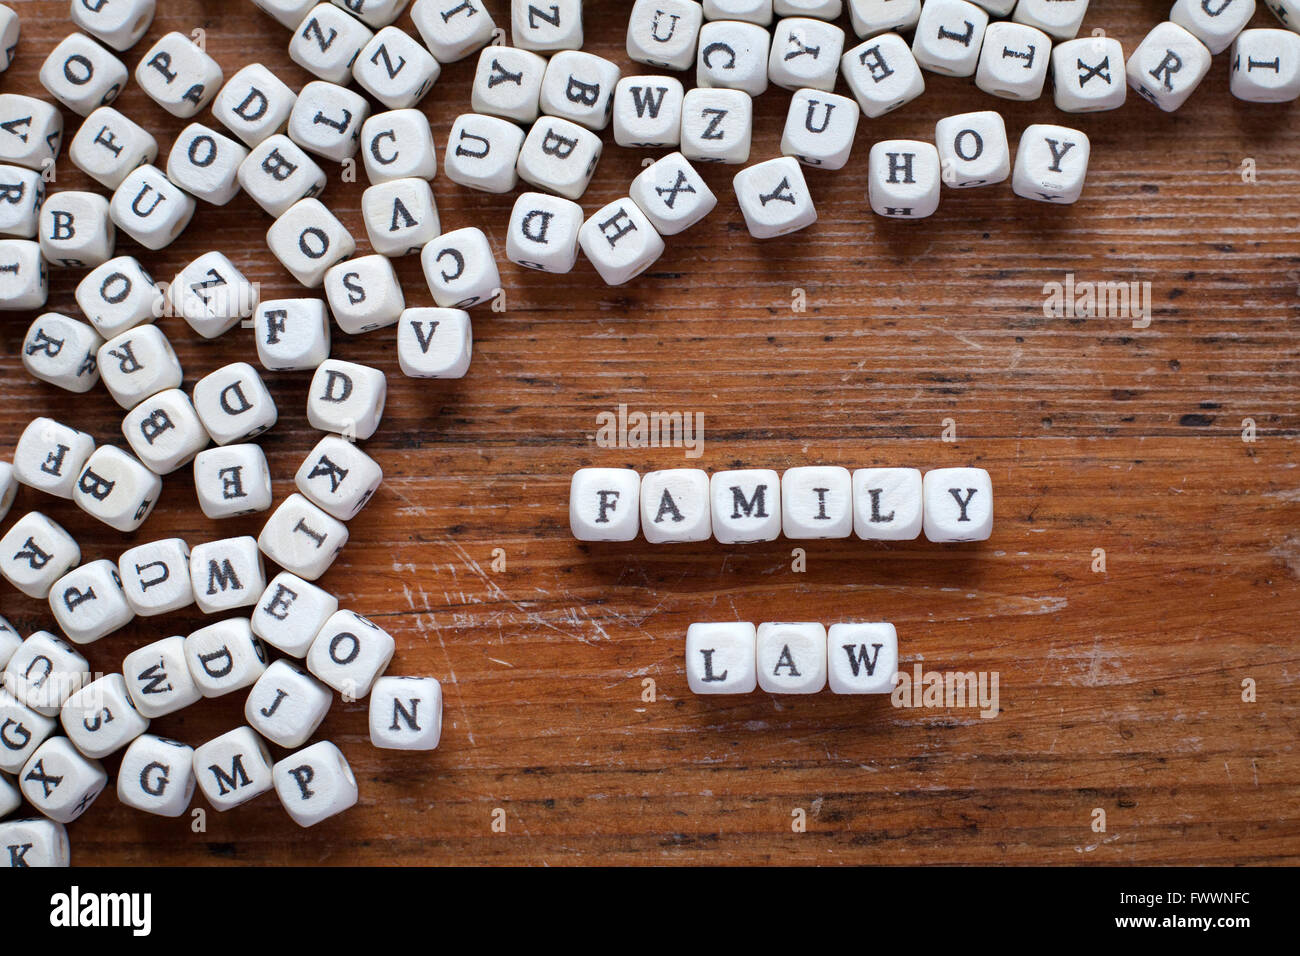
604,504
158,678
434,343
672,194
675,506
1168,66
816,502
49,456
717,126
395,69
791,658
350,653
958,504
733,55
315,783
887,504
35,552
277,174
1088,75
226,574
648,111
206,164
109,145
620,242
233,768
863,658
903,179
164,431
664,33
232,480
308,240
60,782
746,505
543,233
820,128
973,149
178,76
157,776
338,477
774,198
347,398
156,577
406,713
1051,164
291,334
88,602
287,704
234,403
137,364
302,538
149,208
948,37
44,672
721,658
224,657
483,153
291,612
254,104
100,719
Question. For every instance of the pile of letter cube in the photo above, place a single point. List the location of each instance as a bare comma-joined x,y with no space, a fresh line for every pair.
538,107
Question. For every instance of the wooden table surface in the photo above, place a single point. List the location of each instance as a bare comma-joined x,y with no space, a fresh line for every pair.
1120,690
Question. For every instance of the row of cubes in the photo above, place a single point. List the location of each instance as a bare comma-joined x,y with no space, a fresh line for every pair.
804,503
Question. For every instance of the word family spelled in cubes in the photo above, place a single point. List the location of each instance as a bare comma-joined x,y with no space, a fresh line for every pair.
791,658
805,503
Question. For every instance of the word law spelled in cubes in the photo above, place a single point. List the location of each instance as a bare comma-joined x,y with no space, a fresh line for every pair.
791,658
806,503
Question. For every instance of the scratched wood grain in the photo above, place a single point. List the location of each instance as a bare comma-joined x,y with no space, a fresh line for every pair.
1119,690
